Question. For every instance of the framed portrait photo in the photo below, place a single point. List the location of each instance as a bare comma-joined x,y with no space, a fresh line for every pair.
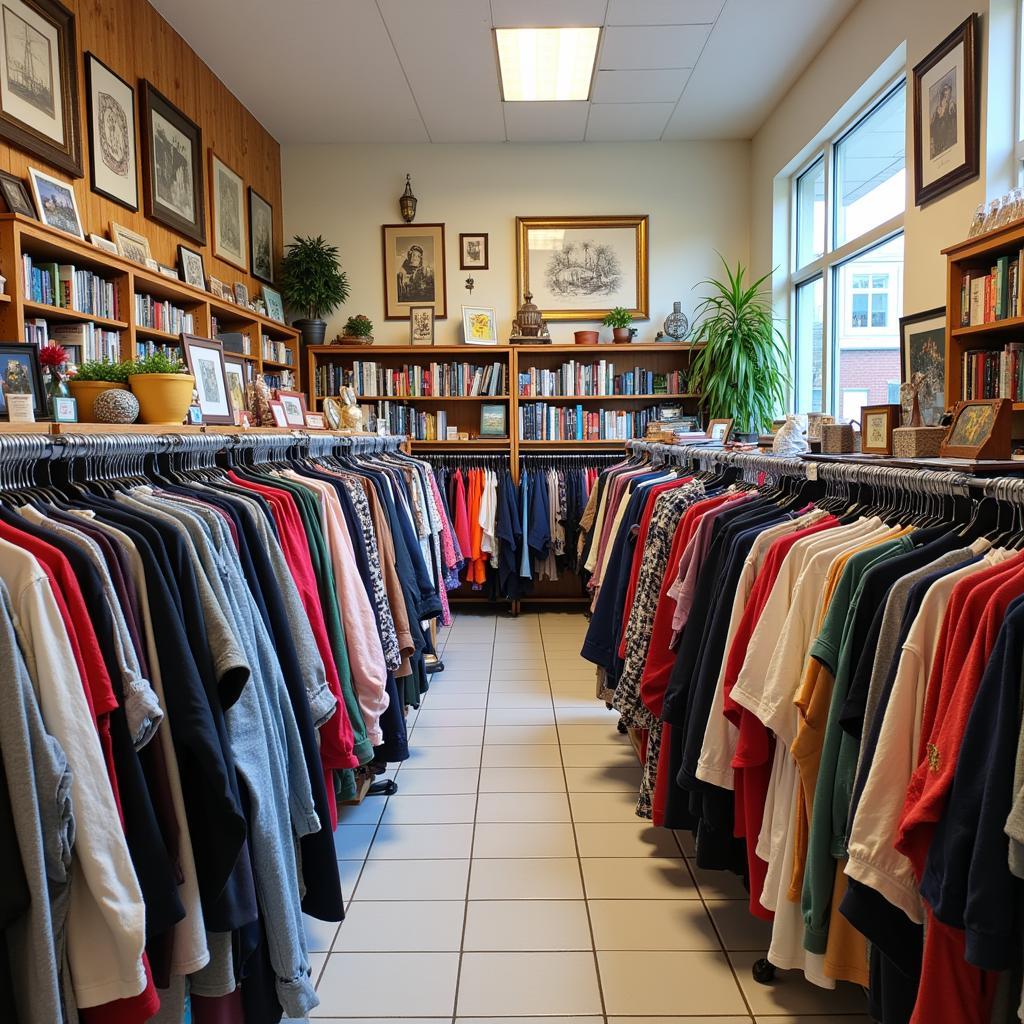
473,253
205,359
479,325
877,423
55,203
229,234
173,166
980,430
294,405
261,237
421,325
20,375
130,244
16,195
39,83
414,269
235,374
274,303
190,263
923,350
946,147
113,157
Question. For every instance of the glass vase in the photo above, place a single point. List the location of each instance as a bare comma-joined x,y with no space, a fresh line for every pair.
56,387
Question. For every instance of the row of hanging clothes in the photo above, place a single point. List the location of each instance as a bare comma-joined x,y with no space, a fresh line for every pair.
824,669
202,639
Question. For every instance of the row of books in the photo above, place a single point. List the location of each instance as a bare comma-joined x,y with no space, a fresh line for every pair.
542,422
598,378
423,380
82,341
161,315
283,379
276,351
417,424
65,286
988,296
993,373
145,349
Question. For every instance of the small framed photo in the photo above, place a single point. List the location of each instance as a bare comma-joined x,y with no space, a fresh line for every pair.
479,325
205,359
877,423
315,421
20,375
980,430
55,203
494,419
104,244
719,431
193,271
16,195
130,244
275,304
294,405
235,372
277,411
473,253
65,410
421,325
241,294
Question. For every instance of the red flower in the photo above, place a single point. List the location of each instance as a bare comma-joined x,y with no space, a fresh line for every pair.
53,355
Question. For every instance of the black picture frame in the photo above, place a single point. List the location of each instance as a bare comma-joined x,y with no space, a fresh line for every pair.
480,264
91,61
13,187
153,101
257,264
930,358
184,255
26,354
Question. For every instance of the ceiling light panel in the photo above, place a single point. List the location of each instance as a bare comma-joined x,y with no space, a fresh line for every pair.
546,64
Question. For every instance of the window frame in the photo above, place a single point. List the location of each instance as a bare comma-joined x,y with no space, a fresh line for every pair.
1019,91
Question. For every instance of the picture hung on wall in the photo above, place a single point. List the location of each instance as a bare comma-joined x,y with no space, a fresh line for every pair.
479,325
173,166
193,271
20,375
421,325
923,351
946,149
473,254
228,192
414,269
234,372
113,158
261,237
130,244
205,360
55,203
275,304
580,268
39,82
16,195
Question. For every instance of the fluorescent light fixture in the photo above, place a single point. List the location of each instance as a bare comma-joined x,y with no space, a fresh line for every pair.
540,64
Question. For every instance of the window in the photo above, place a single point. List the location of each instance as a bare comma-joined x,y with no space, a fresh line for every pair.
847,263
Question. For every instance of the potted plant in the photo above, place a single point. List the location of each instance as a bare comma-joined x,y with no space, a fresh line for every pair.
358,331
742,370
313,283
91,379
619,320
163,387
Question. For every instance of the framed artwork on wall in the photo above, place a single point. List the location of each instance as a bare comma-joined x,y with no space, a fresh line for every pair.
205,360
39,83
173,166
16,195
261,237
228,192
414,269
473,254
923,350
55,203
113,157
421,325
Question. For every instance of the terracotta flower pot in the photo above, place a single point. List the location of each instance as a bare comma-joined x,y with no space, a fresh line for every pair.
621,335
585,337
85,393
164,398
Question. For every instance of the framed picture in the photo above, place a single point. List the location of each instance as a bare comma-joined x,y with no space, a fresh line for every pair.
220,289
719,430
130,244
923,350
980,430
205,360
193,270
234,372
479,325
65,410
421,325
294,405
228,192
946,150
494,419
105,244
55,203
580,268
414,269
241,294
473,253
315,421
113,157
39,83
280,417
20,375
877,423
261,237
173,166
166,271
16,195
195,416
275,304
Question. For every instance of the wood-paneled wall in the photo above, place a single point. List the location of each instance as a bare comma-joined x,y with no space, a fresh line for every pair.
130,37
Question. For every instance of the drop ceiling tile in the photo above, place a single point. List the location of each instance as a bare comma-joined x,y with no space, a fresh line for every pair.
627,122
649,86
546,13
672,46
545,122
663,12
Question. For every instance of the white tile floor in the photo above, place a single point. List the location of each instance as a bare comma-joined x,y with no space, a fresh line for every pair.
510,881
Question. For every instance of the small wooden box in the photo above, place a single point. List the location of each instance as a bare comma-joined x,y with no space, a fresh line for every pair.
838,439
917,442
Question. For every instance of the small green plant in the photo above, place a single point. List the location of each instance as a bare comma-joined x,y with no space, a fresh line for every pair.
101,369
158,362
312,280
359,326
618,317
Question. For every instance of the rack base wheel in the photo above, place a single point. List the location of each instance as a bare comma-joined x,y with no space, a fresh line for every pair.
621,726
386,788
763,971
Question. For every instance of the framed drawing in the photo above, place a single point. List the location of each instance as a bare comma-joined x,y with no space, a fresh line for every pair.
923,351
20,375
274,303
130,244
414,269
421,325
277,411
234,373
479,325
719,430
228,192
877,423
493,419
193,271
113,156
220,289
980,430
294,405
173,166
241,295
205,360
473,254
39,82
55,203
580,268
261,237
16,195
946,150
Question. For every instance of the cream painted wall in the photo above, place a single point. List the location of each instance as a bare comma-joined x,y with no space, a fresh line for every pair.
696,193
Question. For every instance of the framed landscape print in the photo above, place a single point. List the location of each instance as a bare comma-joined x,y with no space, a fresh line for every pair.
414,269
294,405
130,244
261,237
55,203
494,419
580,268
190,263
923,350
113,158
173,178
473,253
39,82
16,195
421,325
946,150
205,360
228,193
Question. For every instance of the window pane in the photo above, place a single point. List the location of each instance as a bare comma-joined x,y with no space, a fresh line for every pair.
810,213
809,310
870,166
860,280
868,350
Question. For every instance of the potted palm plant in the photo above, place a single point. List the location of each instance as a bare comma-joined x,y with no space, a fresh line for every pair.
91,379
313,284
742,370
619,320
163,387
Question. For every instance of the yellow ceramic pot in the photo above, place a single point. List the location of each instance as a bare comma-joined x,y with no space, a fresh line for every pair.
164,398
85,392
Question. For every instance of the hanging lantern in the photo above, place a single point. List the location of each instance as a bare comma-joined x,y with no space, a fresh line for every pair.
407,202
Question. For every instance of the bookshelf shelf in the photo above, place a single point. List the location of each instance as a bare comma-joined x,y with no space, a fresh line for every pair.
47,312
279,366
606,399
1013,323
157,335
